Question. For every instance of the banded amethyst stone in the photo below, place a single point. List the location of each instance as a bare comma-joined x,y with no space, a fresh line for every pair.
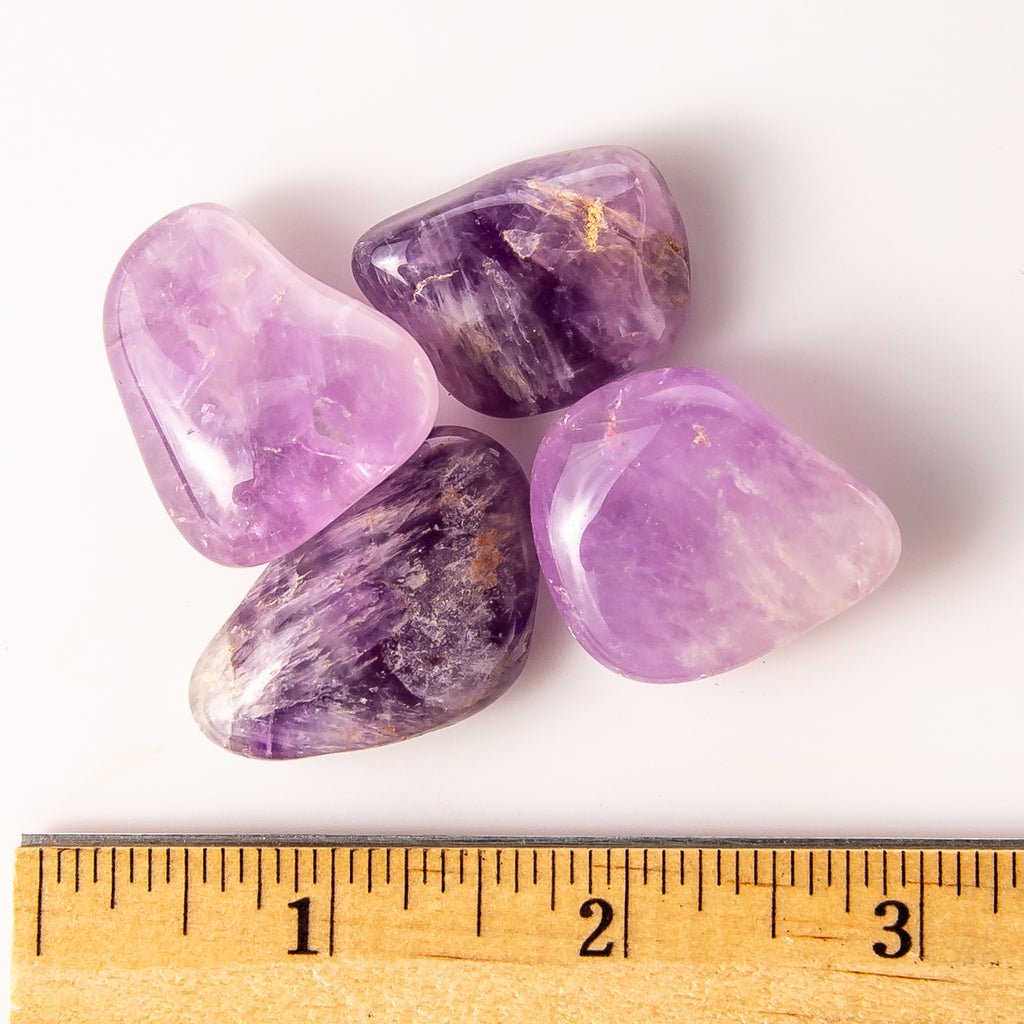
411,611
537,283
684,531
264,402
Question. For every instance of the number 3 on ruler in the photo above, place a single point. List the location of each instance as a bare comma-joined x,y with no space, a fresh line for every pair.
897,928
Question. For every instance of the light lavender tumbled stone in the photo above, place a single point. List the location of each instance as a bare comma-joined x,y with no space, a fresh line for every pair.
684,531
264,402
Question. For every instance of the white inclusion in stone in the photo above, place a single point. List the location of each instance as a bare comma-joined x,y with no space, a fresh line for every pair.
390,259
742,482
523,243
216,691
216,469
591,471
610,180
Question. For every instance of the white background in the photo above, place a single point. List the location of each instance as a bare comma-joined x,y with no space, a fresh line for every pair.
852,179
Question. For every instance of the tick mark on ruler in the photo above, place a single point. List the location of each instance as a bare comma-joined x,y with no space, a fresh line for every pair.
700,879
552,879
223,868
572,867
277,865
113,877
590,872
259,878
351,867
405,878
847,881
95,865
663,872
424,865
167,865
774,893
645,866
295,870
77,857
479,892
387,866
131,864
515,872
204,865
810,872
995,882
517,887
885,873
330,923
736,869
241,866
497,869
369,870
792,868
608,868
39,907
314,864
184,894
718,867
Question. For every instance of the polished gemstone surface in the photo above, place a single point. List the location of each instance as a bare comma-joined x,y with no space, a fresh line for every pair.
264,402
537,283
684,531
411,611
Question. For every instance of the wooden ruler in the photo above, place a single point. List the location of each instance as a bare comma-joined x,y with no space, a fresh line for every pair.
259,928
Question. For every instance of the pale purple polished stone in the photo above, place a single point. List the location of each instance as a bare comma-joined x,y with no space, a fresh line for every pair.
264,402
410,612
684,531
537,283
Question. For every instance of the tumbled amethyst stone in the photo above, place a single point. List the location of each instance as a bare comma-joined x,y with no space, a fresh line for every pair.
684,531
411,611
264,402
537,283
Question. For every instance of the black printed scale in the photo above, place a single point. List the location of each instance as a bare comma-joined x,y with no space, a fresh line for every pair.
123,928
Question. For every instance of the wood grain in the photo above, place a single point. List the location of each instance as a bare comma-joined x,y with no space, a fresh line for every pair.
474,933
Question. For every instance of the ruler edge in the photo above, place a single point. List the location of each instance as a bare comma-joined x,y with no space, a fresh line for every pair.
270,839
42,841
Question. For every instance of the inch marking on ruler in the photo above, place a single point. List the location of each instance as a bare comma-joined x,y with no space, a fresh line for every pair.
637,923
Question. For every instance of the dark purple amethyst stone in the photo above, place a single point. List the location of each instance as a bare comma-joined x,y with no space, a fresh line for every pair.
534,285
411,611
